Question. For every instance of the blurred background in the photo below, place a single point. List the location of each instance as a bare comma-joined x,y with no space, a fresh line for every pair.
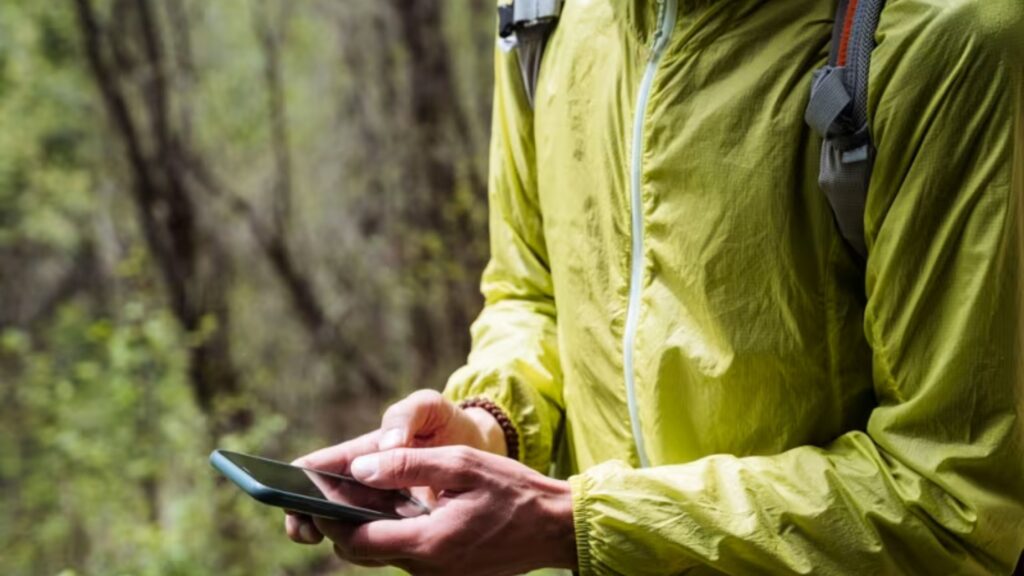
239,223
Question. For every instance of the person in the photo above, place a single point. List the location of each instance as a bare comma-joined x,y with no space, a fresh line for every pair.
672,315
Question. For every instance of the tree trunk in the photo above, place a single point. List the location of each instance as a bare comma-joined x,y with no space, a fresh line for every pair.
442,162
195,275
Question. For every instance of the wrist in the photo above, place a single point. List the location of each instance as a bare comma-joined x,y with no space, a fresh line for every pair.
495,415
558,526
492,436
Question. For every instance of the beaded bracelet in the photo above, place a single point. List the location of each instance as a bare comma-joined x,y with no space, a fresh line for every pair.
511,438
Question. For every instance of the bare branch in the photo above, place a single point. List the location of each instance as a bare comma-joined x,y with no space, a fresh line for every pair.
117,106
185,72
271,39
345,353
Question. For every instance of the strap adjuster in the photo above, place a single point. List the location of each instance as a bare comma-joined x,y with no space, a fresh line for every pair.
828,110
521,14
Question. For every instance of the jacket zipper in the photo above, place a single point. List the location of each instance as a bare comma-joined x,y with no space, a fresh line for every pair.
666,23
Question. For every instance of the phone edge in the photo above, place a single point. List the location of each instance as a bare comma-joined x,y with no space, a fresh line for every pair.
281,499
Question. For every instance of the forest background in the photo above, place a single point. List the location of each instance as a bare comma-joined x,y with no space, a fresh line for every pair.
239,223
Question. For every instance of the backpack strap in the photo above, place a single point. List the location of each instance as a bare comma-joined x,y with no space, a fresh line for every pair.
838,112
527,25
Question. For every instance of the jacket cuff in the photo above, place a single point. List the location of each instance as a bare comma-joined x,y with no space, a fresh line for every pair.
615,516
528,411
579,487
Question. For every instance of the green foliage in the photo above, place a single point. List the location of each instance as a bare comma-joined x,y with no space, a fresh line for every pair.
102,456
98,408
48,127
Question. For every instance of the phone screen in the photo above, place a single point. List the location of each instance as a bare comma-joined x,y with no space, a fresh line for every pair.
324,486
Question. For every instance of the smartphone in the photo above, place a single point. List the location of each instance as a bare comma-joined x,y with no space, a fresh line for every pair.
313,492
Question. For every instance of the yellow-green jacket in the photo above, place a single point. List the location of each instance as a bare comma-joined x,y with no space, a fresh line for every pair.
668,290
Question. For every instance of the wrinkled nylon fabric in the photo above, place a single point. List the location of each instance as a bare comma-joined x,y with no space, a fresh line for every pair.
801,415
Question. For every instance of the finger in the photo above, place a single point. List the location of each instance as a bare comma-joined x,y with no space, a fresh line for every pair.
336,458
421,414
445,468
425,496
378,541
300,529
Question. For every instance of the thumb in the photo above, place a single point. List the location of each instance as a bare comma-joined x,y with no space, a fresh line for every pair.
446,468
420,414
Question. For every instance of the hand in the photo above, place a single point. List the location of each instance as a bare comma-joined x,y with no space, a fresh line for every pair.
423,419
493,516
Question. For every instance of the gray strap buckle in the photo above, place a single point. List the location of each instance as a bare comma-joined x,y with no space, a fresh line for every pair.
521,14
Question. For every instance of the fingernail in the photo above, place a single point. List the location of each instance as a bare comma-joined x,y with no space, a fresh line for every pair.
392,439
365,467
306,532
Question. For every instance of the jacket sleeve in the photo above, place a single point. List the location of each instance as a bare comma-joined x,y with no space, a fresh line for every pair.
514,360
935,484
